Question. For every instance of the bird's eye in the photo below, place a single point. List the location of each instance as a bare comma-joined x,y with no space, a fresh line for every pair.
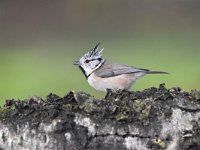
99,59
87,61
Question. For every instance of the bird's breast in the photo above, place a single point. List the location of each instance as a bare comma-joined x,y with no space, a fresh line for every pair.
124,81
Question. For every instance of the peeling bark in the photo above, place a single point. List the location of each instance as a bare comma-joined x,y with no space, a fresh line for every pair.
156,118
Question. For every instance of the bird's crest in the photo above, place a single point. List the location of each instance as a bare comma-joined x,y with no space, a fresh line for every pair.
95,52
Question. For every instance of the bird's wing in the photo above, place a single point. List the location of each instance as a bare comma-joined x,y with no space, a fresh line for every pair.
114,69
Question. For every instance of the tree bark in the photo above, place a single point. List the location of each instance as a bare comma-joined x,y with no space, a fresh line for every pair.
156,118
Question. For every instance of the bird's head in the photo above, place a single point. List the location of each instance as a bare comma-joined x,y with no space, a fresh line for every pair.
91,61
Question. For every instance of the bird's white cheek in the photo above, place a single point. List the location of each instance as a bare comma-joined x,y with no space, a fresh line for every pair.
91,81
87,70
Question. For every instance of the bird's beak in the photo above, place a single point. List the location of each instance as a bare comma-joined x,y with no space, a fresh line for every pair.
76,63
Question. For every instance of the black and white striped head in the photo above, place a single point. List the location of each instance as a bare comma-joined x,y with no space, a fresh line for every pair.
91,61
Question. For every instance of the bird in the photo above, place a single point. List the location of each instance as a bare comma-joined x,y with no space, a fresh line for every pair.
102,74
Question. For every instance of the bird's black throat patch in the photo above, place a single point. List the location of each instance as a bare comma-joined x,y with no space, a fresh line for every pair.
83,71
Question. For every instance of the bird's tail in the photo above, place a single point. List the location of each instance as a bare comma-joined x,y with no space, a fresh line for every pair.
156,72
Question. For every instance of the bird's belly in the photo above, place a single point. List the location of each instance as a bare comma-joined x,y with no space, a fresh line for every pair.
124,81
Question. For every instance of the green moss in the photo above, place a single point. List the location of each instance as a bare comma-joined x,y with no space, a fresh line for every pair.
196,94
68,106
3,111
146,111
143,109
88,107
159,142
121,117
114,108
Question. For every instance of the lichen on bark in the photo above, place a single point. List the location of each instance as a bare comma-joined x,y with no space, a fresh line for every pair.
156,118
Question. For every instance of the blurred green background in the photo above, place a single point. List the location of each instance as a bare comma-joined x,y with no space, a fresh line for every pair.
40,39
